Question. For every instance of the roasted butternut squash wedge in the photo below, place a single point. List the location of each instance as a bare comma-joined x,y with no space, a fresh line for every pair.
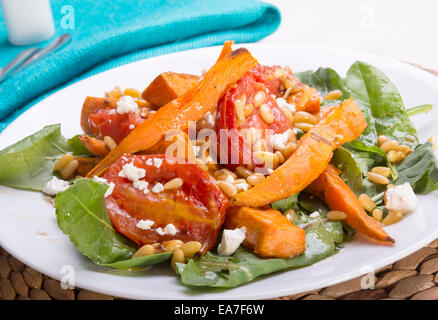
330,188
268,233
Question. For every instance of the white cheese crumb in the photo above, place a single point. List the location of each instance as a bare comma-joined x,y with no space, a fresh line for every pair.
149,162
170,229
282,103
126,104
279,140
231,240
55,186
111,185
157,188
131,172
141,185
229,179
131,127
314,215
158,162
209,275
241,186
145,224
401,198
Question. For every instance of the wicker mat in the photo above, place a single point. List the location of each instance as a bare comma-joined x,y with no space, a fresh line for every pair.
414,277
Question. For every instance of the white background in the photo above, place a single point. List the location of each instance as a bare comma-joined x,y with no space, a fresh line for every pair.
405,30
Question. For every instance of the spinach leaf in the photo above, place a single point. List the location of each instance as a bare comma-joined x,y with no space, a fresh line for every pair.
420,169
78,147
350,170
216,271
141,262
28,164
309,203
287,203
81,214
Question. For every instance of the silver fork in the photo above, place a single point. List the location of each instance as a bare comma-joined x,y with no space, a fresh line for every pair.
27,56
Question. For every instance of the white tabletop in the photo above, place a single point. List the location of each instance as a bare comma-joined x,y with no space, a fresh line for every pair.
405,30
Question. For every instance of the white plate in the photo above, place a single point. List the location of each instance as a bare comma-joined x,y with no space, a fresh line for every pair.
24,213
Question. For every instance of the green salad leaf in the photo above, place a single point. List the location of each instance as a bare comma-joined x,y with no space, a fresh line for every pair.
141,262
420,169
243,266
77,147
82,215
28,164
287,203
350,170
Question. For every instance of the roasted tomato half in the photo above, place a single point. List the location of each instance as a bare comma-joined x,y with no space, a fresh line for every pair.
108,122
242,109
196,210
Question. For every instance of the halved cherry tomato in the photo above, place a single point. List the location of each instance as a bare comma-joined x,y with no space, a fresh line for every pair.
108,122
196,209
258,79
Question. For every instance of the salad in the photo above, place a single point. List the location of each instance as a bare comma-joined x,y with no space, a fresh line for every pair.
240,172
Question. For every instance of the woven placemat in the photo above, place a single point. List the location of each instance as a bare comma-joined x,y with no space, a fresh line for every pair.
414,277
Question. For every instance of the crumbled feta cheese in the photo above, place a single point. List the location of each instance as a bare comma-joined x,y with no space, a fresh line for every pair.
112,111
241,186
229,179
158,162
314,215
279,140
131,172
282,103
145,224
401,198
55,186
209,275
131,127
157,188
149,162
169,229
231,240
111,185
141,185
126,104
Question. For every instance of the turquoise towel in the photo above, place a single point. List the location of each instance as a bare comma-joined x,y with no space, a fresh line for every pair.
110,33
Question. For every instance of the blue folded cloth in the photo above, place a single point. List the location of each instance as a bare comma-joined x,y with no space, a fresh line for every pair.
110,33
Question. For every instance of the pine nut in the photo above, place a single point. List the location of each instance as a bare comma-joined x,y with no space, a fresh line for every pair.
63,161
69,169
239,106
389,145
116,93
290,215
288,90
401,156
259,99
191,248
336,215
392,156
432,140
383,171
392,217
377,214
243,172
255,178
288,114
405,149
248,109
279,73
145,250
131,92
227,188
304,126
225,172
305,117
410,139
377,178
173,184
268,158
366,202
279,156
177,257
266,113
333,95
288,149
109,142
172,245
201,165
381,140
